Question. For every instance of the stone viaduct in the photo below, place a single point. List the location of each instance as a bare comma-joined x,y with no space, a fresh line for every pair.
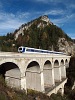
41,72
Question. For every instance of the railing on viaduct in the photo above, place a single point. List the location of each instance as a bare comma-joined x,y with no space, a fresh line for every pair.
34,71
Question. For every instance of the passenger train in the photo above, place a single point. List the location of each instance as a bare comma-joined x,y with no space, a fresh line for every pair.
22,49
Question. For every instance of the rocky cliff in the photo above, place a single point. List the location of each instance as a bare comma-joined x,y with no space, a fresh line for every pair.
66,46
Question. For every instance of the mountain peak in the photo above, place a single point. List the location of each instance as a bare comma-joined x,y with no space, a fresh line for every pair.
46,19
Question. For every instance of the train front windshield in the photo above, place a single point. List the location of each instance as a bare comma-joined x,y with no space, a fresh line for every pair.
20,49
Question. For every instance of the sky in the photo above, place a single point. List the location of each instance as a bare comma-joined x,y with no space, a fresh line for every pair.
14,13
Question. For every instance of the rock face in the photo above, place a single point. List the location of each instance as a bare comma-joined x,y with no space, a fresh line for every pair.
65,46
46,19
21,29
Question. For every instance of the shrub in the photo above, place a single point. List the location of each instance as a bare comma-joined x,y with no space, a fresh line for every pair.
2,82
3,96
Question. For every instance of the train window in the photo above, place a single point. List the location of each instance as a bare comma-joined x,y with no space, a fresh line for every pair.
41,51
45,51
28,50
36,50
32,50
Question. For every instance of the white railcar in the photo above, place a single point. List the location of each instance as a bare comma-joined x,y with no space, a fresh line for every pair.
22,49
